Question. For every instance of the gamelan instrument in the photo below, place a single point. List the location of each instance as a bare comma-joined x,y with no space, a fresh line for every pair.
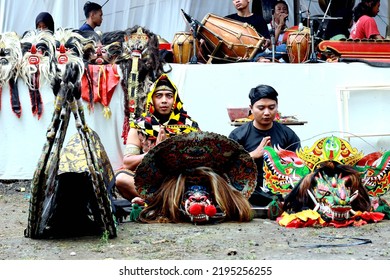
182,45
366,49
227,39
298,46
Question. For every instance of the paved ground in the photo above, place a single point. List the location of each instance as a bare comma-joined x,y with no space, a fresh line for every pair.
260,239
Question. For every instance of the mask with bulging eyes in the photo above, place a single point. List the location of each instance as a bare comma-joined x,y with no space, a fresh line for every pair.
197,204
38,57
10,56
332,197
136,43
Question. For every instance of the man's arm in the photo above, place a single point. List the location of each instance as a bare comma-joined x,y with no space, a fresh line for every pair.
135,155
140,147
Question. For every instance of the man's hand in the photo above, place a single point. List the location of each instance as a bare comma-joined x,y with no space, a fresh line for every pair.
146,143
282,19
162,135
265,44
259,151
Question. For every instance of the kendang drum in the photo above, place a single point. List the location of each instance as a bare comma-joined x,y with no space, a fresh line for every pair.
228,39
298,46
183,47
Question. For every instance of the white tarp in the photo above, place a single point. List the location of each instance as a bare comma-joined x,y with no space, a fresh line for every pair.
311,92
162,17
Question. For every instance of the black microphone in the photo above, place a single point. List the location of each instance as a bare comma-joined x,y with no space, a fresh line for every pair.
194,26
190,19
187,16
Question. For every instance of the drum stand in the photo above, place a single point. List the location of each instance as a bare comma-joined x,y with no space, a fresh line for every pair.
313,55
194,28
271,31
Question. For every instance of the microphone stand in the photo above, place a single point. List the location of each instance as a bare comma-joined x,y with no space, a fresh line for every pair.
273,47
313,56
194,28
323,18
271,30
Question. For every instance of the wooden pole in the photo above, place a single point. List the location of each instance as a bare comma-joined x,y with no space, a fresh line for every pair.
296,9
388,19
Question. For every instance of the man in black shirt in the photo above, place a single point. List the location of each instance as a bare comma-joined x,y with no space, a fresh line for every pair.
245,15
263,131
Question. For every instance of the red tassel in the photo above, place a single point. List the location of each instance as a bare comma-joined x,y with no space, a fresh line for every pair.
125,129
210,210
196,209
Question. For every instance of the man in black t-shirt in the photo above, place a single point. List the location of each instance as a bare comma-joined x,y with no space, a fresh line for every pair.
245,15
264,131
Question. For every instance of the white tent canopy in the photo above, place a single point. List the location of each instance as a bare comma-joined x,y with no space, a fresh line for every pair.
162,17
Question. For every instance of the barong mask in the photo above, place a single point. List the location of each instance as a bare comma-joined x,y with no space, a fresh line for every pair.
38,58
10,60
330,177
10,56
141,66
112,46
69,51
38,65
136,43
198,177
105,53
101,76
197,204
333,196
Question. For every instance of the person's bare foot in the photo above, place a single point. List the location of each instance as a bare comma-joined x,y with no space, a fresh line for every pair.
263,59
138,200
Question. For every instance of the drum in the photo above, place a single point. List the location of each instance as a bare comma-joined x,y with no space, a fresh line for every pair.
298,46
228,39
183,47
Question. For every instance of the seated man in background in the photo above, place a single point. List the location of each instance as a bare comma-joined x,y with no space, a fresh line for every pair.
164,116
365,26
279,29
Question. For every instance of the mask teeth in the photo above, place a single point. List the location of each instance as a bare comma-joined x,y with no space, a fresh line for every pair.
198,217
317,205
341,215
186,209
354,196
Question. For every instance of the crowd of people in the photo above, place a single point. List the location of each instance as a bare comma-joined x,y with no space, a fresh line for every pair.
351,23
164,115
